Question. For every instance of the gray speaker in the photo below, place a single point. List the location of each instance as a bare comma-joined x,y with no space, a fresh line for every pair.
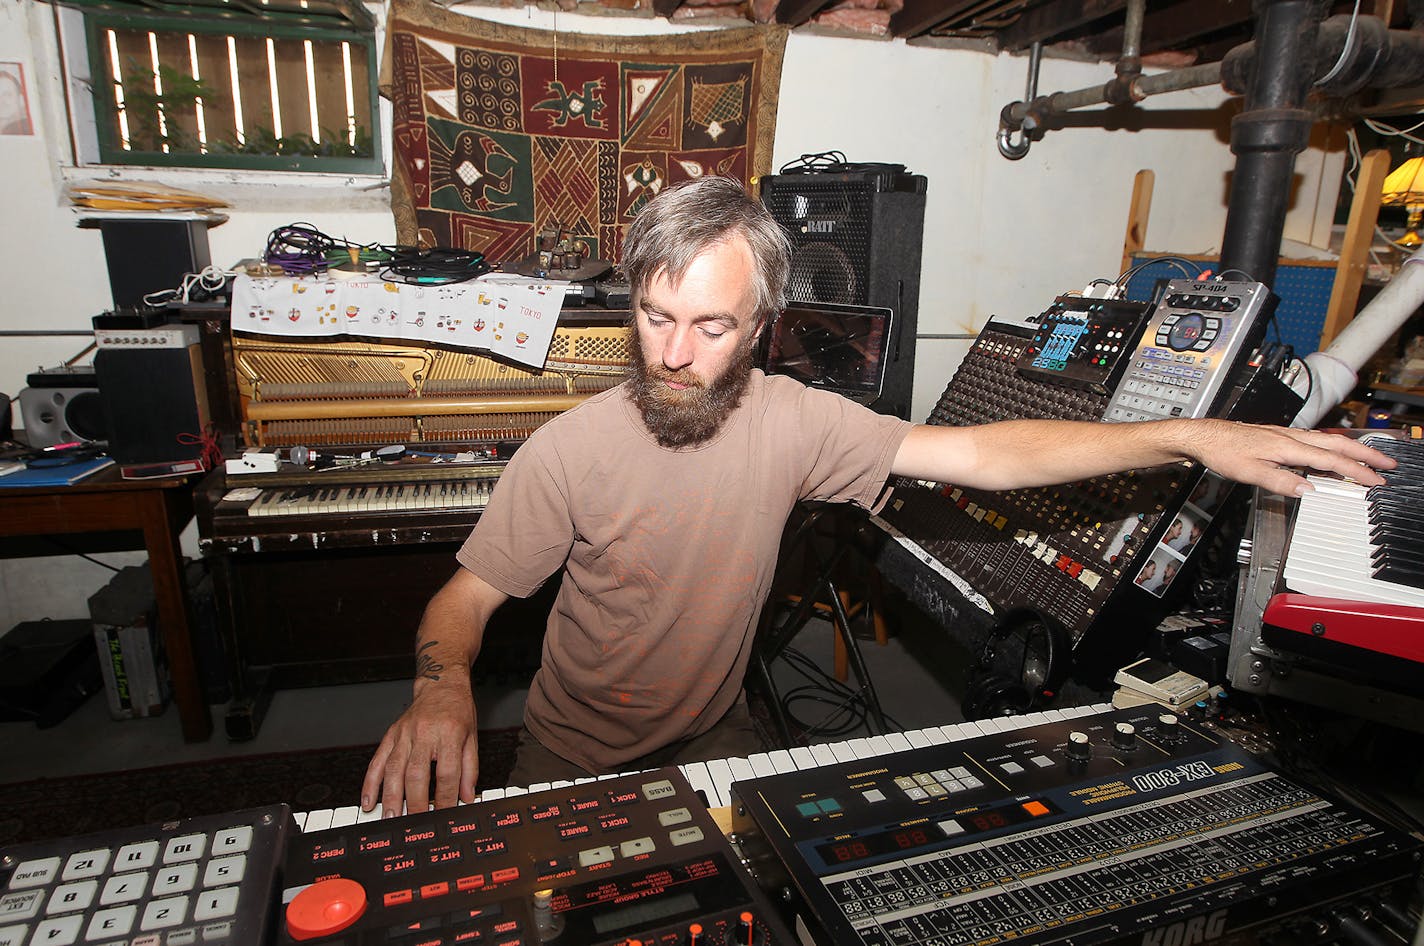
62,405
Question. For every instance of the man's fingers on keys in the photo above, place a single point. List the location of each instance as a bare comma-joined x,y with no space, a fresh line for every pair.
469,769
447,778
375,775
417,783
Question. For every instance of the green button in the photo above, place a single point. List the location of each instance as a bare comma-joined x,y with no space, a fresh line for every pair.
808,809
829,805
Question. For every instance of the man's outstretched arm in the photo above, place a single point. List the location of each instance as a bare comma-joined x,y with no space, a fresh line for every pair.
439,725
1020,453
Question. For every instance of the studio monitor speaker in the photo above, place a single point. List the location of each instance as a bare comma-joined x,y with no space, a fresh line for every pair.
61,405
154,398
144,256
857,236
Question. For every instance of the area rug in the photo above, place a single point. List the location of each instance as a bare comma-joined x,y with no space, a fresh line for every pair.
501,133
306,780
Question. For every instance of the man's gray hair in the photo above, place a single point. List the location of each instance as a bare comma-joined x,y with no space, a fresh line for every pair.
684,220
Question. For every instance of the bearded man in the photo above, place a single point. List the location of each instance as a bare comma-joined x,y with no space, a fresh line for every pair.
663,500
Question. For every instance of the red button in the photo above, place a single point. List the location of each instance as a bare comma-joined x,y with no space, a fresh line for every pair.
326,907
397,897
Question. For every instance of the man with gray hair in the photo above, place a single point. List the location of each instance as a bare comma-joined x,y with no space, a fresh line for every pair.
663,502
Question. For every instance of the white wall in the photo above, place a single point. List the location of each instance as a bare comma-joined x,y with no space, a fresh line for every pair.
1000,237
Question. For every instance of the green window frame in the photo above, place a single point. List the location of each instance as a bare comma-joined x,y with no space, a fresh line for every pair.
235,88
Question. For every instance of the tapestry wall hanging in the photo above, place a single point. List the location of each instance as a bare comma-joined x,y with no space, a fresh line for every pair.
502,132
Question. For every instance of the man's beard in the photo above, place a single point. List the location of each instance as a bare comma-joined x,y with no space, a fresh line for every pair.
695,413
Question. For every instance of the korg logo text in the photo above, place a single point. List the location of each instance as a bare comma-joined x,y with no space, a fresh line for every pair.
1191,932
820,226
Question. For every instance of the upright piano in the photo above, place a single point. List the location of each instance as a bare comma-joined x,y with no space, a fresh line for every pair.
322,569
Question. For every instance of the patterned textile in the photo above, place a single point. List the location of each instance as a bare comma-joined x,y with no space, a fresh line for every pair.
501,132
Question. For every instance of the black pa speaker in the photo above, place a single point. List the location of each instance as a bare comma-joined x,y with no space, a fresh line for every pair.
857,238
154,398
62,405
145,256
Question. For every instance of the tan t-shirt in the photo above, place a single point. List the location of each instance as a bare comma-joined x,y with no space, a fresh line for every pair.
669,554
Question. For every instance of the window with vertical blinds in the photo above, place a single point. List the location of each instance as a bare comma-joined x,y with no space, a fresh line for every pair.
233,93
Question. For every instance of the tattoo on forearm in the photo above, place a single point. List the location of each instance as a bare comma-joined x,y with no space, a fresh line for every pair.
425,665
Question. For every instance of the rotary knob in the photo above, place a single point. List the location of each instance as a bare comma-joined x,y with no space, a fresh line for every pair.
1168,729
1079,749
1124,736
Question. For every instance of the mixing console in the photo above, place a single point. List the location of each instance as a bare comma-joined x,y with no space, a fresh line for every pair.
1059,551
1127,827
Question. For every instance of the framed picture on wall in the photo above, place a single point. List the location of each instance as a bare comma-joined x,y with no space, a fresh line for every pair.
14,100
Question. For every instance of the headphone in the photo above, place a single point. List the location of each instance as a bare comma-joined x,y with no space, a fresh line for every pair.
1021,664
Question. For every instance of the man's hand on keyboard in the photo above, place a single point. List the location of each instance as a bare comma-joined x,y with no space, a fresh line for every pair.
1263,456
436,731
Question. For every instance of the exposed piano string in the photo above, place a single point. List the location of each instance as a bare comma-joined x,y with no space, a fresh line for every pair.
713,779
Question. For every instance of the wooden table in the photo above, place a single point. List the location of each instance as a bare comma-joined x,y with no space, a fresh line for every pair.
160,509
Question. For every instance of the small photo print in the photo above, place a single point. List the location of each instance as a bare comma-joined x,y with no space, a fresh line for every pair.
14,100
1209,493
1156,576
1185,531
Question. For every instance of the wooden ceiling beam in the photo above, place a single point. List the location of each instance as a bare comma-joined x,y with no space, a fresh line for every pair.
921,16
1176,26
1050,21
795,12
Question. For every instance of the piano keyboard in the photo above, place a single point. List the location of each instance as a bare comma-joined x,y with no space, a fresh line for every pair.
713,779
1348,536
365,498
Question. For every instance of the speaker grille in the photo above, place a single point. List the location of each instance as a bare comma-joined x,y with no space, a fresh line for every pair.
830,226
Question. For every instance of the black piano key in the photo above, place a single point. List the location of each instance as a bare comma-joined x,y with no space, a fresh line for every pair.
1413,577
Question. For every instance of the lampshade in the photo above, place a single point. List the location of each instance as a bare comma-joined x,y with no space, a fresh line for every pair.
1405,185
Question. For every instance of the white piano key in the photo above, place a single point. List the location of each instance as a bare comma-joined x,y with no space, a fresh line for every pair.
917,738
318,820
721,774
561,784
373,815
937,735
539,787
860,745
345,816
761,765
898,742
879,745
492,794
824,754
781,761
843,752
701,781
741,769
803,758
300,817
511,790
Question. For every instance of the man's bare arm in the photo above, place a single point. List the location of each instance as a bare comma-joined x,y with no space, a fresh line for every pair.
1020,453
439,726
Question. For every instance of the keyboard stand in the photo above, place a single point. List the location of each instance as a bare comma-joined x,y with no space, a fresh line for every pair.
772,638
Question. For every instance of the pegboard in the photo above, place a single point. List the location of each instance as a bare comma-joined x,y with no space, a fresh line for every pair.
1302,285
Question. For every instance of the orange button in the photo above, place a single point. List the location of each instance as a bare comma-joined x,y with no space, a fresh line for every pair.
472,882
434,890
326,907
1035,808
397,897
505,874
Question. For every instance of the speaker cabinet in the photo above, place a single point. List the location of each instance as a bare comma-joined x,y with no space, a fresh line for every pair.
61,405
857,239
154,399
145,256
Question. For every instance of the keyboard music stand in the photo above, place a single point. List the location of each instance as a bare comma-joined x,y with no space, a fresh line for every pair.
772,638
